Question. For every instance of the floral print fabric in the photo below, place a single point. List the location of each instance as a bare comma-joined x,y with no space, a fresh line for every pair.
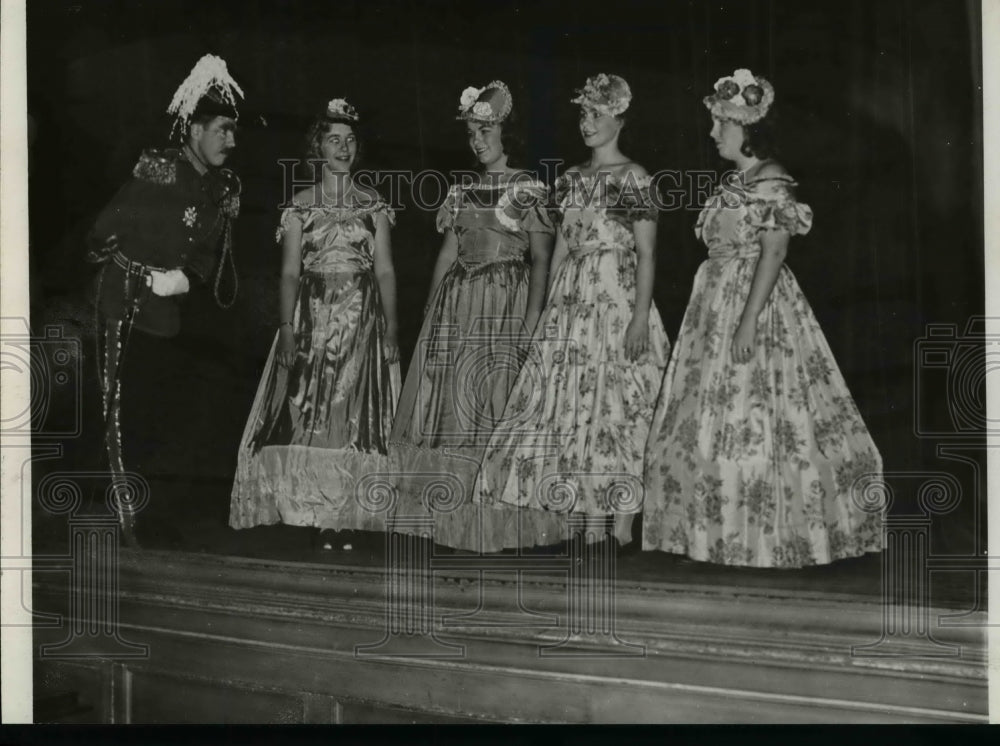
756,464
572,435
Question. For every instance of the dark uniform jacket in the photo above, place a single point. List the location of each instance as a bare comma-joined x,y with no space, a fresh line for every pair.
167,216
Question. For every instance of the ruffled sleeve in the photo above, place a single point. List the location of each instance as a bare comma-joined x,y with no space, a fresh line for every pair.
638,198
290,216
772,206
562,189
528,203
448,211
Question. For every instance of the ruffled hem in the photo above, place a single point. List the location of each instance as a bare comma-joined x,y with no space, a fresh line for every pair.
303,486
702,551
435,484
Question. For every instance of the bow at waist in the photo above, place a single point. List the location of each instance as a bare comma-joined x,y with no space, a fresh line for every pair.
475,262
734,252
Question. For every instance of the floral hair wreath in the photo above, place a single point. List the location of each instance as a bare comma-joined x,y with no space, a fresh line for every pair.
338,108
605,94
471,109
210,75
741,97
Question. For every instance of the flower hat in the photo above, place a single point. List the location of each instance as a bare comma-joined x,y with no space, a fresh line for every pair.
338,108
488,105
741,97
605,94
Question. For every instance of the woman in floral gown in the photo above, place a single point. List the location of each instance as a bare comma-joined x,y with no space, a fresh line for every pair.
325,403
571,440
485,299
757,454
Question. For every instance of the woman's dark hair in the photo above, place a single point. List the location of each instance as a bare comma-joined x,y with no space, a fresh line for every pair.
759,138
511,140
320,128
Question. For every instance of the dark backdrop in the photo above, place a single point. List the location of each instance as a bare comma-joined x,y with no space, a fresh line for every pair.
879,106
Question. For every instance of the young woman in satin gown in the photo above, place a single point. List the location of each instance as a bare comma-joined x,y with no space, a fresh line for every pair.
326,401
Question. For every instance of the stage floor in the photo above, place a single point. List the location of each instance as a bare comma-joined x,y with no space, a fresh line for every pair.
191,517
189,512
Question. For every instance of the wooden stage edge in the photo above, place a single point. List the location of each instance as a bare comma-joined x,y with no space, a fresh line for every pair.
200,638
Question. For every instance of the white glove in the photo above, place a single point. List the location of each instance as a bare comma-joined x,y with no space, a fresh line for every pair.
172,282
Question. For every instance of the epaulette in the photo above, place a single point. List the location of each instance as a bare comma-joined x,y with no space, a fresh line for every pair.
157,166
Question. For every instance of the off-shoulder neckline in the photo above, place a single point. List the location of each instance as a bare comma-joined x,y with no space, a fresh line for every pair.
607,176
375,204
523,182
777,177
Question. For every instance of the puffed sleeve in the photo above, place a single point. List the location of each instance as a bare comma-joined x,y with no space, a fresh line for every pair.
290,216
772,206
524,207
536,212
638,198
562,189
448,211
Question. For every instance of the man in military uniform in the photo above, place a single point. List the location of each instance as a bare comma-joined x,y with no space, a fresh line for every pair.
167,228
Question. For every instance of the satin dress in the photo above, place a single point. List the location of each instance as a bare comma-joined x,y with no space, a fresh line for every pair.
319,427
470,350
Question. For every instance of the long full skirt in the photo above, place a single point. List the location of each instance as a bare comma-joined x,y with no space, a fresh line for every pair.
469,352
768,463
571,438
314,449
